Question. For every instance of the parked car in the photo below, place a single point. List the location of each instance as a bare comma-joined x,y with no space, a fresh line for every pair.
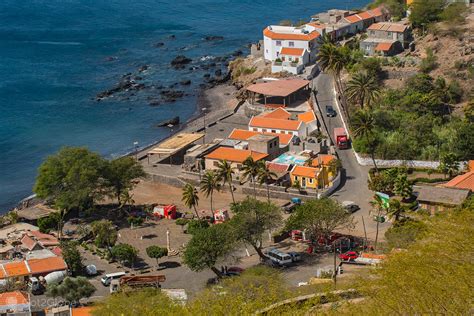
295,256
350,206
330,112
348,256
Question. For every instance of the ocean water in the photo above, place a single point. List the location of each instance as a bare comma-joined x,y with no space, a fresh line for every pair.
56,55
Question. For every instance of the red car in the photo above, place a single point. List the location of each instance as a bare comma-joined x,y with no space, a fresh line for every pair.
350,255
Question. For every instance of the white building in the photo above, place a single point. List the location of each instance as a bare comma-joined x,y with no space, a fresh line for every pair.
293,41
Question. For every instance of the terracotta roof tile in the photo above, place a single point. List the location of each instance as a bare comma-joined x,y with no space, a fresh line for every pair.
16,269
377,12
279,113
13,298
470,165
303,171
277,167
383,47
234,155
28,243
292,51
307,117
353,18
82,311
389,27
263,122
324,159
46,265
288,36
242,134
464,181
365,15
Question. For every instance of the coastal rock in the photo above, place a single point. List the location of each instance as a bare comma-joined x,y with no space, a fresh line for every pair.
172,36
213,38
154,103
218,72
111,58
171,95
174,121
185,82
206,76
212,65
237,53
159,44
143,68
193,68
179,61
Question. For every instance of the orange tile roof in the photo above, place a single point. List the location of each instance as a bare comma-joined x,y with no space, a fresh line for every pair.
376,12
470,165
279,113
28,243
464,181
318,25
324,159
292,51
16,269
3,274
353,18
277,167
242,134
263,122
307,117
288,36
13,298
234,155
303,171
365,15
82,311
39,266
383,47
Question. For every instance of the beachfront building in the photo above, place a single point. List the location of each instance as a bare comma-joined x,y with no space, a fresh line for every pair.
386,39
290,48
20,271
278,93
235,157
281,121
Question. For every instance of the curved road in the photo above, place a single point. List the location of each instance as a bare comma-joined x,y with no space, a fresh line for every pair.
354,186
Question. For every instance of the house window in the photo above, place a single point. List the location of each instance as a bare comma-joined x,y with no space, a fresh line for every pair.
372,32
291,44
266,50
215,163
239,166
389,34
289,58
271,145
264,130
296,178
310,180
255,129
278,43
273,131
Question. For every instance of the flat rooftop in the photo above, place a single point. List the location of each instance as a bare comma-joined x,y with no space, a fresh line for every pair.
175,143
279,88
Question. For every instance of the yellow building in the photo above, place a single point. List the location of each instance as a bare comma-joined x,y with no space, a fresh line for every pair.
306,177
324,161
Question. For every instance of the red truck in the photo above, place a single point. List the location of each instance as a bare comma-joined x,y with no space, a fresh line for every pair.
340,137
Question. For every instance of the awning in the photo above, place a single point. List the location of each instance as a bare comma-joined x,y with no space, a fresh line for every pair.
279,88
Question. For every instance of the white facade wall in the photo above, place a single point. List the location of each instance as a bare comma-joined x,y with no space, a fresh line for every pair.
301,132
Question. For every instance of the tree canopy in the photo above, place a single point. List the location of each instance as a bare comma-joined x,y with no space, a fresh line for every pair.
119,175
125,253
72,256
105,234
71,289
252,218
208,246
320,217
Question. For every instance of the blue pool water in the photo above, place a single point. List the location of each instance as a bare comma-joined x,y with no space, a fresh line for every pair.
56,55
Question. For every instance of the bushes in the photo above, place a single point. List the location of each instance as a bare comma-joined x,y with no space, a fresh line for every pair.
195,225
428,63
48,223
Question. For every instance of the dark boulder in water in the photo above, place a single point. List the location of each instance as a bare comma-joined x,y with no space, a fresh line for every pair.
214,38
179,61
237,53
159,44
185,82
171,95
174,121
143,68
218,72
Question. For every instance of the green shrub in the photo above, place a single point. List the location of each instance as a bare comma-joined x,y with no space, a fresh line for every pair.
195,225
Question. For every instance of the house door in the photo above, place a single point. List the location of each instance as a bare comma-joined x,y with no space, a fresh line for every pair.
303,182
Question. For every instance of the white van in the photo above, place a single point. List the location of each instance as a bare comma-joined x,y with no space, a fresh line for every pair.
279,257
111,276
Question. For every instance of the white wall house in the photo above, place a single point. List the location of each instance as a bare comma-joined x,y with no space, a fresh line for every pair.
292,60
276,38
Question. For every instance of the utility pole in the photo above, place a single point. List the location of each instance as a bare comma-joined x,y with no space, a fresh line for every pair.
365,232
335,266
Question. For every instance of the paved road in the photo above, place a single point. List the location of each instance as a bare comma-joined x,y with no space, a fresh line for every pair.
354,187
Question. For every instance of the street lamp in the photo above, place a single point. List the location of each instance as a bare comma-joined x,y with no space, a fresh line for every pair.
135,144
204,138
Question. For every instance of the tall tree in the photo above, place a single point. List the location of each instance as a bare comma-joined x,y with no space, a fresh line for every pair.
225,171
120,176
362,89
265,176
209,184
190,197
379,205
72,257
125,253
250,171
424,12
105,233
208,246
449,164
320,217
71,179
156,252
71,289
251,219
363,124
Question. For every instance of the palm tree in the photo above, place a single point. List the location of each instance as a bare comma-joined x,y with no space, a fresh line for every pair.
265,176
378,204
362,89
209,184
225,171
363,124
396,209
190,197
250,171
